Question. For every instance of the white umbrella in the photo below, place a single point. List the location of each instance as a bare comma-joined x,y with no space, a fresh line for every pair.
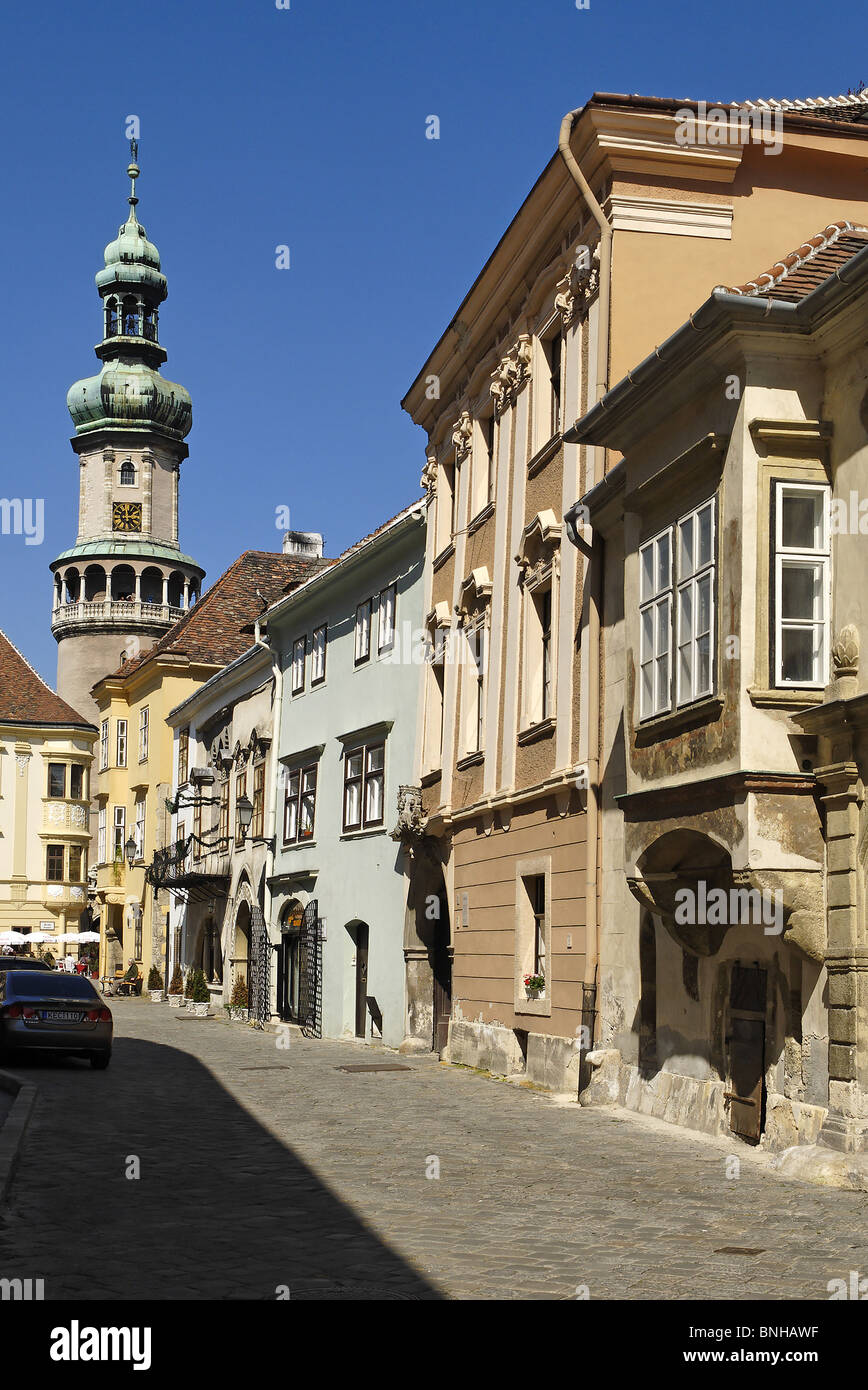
39,938
88,936
11,938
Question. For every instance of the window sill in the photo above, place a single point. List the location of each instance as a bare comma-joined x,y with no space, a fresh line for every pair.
445,554
435,774
535,732
544,455
291,845
480,518
471,760
533,1006
363,834
785,698
678,721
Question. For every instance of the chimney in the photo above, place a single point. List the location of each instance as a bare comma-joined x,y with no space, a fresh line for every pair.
307,544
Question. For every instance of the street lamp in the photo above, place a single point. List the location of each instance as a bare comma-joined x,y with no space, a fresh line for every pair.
130,850
244,809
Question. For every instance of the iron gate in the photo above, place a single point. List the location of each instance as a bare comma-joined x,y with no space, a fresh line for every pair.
260,995
310,984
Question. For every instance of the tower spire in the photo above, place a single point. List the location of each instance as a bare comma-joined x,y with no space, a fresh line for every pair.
133,171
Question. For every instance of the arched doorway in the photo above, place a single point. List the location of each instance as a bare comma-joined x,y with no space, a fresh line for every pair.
241,951
290,962
359,935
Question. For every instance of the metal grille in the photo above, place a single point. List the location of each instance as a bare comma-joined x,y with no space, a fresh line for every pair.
310,985
260,998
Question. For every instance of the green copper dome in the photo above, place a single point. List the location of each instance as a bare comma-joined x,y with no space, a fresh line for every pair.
132,260
129,392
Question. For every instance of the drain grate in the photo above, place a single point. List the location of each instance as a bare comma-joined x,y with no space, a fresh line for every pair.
374,1066
738,1250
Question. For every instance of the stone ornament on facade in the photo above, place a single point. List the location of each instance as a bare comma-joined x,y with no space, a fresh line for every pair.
21,761
474,595
428,480
56,813
78,816
577,287
462,435
540,545
410,825
845,662
511,374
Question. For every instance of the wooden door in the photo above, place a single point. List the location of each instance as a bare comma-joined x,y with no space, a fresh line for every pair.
746,1050
361,979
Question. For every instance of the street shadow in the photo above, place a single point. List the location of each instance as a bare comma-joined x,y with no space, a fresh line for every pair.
221,1208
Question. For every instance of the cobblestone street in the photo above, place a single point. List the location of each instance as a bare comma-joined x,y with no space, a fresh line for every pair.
262,1167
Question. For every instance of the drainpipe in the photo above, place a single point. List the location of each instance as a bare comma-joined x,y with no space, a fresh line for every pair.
593,581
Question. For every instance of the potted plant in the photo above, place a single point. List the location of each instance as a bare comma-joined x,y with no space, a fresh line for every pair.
155,985
188,986
534,985
201,995
176,989
239,1001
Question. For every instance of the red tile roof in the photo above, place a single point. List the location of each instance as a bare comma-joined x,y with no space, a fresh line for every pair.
24,696
797,274
218,628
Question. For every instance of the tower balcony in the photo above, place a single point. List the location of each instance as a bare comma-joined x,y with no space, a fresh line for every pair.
113,613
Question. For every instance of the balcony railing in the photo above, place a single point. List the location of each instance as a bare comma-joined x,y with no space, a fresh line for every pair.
114,610
195,871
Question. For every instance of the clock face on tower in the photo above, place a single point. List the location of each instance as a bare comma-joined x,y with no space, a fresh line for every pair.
126,516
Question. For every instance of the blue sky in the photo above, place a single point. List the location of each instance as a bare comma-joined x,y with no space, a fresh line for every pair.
304,127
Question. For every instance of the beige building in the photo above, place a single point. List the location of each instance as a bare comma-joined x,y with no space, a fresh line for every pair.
46,750
627,228
730,545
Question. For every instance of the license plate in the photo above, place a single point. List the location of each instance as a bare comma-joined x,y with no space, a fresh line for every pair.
60,1016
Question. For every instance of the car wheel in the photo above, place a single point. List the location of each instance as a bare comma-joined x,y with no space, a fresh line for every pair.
100,1060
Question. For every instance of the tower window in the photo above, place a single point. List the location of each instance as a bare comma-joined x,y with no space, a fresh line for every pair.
131,317
111,318
128,473
149,329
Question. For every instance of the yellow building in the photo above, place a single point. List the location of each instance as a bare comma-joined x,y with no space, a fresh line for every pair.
137,775
46,750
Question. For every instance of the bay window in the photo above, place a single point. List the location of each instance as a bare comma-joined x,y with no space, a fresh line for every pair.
801,599
676,608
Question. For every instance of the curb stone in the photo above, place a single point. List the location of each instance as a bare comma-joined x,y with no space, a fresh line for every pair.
14,1127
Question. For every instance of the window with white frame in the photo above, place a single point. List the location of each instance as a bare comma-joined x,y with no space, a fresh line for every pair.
101,835
364,770
139,832
299,648
676,590
483,480
473,689
447,502
436,663
802,577
119,825
539,656
318,654
121,758
103,745
299,804
553,349
144,731
386,621
363,631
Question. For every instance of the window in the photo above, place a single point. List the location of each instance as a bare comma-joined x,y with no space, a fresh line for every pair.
536,886
121,759
240,791
474,694
139,832
655,618
447,503
223,829
488,432
691,594
363,786
128,473
76,864
76,781
103,745
802,584
197,828
318,655
544,608
54,863
363,631
386,629
100,835
144,731
183,755
257,823
435,702
298,656
119,826
553,350
137,934
57,779
299,806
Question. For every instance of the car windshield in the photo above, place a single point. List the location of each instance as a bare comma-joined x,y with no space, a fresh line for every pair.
16,963
35,986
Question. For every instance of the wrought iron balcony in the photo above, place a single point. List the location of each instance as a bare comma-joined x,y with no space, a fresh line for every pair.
193,870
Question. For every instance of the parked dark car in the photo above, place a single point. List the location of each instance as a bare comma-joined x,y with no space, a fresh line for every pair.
24,963
54,1012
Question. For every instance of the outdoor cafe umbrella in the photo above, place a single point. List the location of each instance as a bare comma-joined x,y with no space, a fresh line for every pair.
88,936
12,938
